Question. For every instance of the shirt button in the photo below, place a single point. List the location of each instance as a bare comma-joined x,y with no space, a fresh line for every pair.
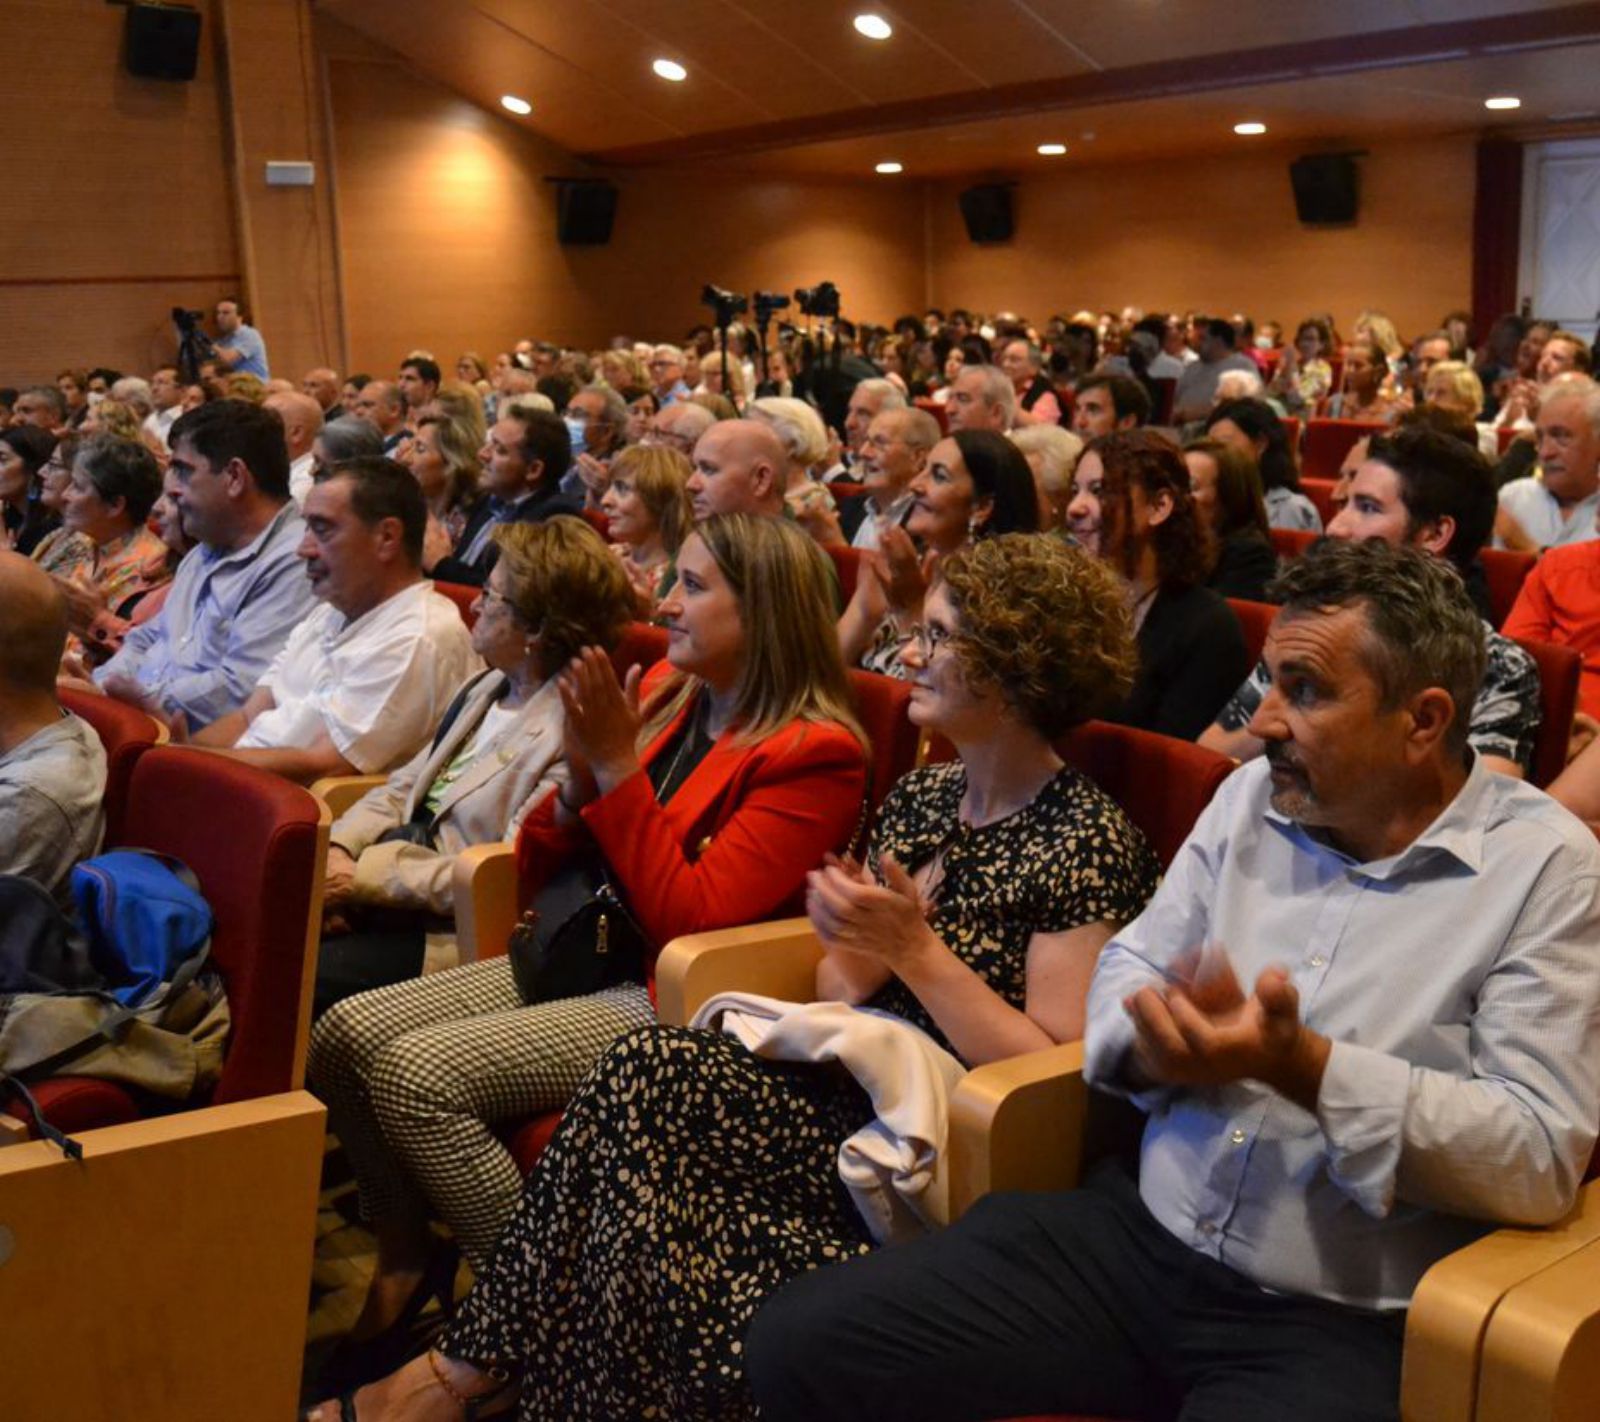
1316,960
1208,1229
1238,1136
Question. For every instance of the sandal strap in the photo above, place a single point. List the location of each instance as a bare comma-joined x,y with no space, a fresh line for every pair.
469,1405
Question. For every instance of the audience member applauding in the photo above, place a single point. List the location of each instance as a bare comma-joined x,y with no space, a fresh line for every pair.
1227,493
1304,377
554,591
1433,492
1253,427
236,597
25,521
650,513
62,551
597,425
115,483
1560,502
52,766
893,451
691,1178
1319,1133
443,458
976,485
704,795
1131,506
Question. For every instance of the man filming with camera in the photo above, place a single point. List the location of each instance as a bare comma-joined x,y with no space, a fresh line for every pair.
238,345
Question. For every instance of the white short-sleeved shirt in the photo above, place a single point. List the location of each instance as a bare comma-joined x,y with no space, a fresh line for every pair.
378,685
1535,508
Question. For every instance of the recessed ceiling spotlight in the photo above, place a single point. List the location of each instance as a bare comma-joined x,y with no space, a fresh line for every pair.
516,105
1249,130
1051,150
873,27
890,168
1504,101
670,69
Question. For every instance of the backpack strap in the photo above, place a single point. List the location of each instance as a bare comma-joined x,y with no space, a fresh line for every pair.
10,1086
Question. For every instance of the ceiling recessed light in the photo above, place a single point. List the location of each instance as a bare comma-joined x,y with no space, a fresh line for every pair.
1505,101
873,27
1051,150
670,69
516,105
889,168
1249,130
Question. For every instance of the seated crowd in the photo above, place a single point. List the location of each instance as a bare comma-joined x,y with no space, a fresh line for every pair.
1355,1010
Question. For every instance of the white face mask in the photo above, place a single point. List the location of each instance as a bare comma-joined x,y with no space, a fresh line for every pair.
1263,343
95,397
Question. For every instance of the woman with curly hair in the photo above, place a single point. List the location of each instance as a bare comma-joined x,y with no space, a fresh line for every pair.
1132,508
690,1179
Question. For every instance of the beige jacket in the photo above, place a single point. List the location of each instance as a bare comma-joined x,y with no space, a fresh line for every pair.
486,803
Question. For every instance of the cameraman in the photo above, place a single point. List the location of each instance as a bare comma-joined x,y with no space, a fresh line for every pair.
239,346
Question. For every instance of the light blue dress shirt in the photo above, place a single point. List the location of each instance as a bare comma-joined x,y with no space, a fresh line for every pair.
252,351
226,618
1459,982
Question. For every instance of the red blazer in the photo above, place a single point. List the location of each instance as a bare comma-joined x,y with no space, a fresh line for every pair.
735,843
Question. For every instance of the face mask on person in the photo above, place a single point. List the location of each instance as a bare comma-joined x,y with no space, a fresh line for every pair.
577,432
95,397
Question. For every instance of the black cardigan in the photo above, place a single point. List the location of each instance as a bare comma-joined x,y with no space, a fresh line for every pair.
1191,660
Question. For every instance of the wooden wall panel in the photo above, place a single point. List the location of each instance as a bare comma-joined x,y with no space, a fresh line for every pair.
1221,235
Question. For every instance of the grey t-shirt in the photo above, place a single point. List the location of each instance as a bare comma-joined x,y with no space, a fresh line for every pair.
51,788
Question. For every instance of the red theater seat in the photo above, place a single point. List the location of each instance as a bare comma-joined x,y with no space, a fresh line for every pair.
1559,671
465,597
1320,492
1255,618
1505,572
847,563
126,733
1328,441
1292,542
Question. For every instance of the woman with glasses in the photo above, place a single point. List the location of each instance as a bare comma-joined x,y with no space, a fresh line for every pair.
689,1178
703,793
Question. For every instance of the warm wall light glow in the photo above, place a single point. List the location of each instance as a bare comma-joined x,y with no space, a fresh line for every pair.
516,105
670,69
1052,150
890,168
1505,101
1249,130
873,27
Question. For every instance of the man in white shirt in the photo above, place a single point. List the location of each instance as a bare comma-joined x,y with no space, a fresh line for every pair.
1558,505
302,423
893,453
868,400
166,401
362,682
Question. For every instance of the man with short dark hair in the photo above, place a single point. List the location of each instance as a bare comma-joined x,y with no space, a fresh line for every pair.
236,595
1197,387
382,404
1362,1016
42,406
362,681
1104,404
1424,489
525,457
239,348
418,383
166,403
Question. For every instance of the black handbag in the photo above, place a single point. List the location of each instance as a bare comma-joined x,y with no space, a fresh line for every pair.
578,938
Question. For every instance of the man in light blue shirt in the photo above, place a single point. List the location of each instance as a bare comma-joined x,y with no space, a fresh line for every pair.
239,346
1362,1013
239,593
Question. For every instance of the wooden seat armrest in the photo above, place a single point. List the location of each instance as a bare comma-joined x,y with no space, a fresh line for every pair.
1018,1124
12,1131
340,792
485,885
1457,1298
1541,1358
777,959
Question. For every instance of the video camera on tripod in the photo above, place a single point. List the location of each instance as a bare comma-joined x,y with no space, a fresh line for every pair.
194,346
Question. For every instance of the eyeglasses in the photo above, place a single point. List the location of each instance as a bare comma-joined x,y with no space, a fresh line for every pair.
490,596
929,638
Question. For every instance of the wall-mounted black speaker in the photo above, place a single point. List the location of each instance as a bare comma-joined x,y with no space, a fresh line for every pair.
162,41
584,213
1324,188
986,209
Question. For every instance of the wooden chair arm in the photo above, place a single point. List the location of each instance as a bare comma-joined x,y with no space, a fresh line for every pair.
1457,1308
12,1131
1541,1358
777,959
340,792
485,882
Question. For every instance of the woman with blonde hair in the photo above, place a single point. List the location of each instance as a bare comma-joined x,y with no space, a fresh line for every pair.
471,370
648,504
805,440
443,456
622,370
1052,454
702,793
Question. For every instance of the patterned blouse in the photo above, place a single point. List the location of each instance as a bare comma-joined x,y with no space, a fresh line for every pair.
1069,858
119,571
65,553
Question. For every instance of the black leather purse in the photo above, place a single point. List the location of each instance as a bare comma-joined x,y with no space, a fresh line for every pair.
578,938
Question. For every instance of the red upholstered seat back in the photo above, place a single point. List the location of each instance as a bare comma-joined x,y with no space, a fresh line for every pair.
252,840
642,645
597,521
1505,572
464,596
1327,442
1559,670
1255,618
126,733
881,703
937,410
1291,542
847,563
1320,492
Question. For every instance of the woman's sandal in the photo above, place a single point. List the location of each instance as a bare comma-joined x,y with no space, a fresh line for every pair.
352,1364
504,1389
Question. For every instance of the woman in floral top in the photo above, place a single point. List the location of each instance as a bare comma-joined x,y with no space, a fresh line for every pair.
1304,376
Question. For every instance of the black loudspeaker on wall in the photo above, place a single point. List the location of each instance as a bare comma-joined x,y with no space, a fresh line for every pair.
1324,188
584,213
162,41
986,209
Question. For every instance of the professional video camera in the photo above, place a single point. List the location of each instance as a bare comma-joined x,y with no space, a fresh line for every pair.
194,346
821,300
725,304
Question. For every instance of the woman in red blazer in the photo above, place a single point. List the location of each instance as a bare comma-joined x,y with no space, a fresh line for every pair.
706,794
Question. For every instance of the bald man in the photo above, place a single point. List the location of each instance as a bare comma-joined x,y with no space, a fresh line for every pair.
738,468
52,766
323,386
302,423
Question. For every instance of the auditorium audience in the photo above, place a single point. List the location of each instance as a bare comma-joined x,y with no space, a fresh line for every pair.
443,458
25,520
1316,1138
981,398
497,752
1104,403
1052,454
892,452
705,792
1131,507
1559,503
738,468
650,512
1253,427
1365,392
236,596
1226,488
680,426
322,385
52,766
1035,398
868,400
363,680
1304,376
41,406
666,367
1196,392
239,349
382,405
1424,489
418,384
597,426
347,437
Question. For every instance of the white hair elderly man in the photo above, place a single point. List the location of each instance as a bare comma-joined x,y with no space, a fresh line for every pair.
894,452
1559,504
1023,363
666,375
868,400
982,397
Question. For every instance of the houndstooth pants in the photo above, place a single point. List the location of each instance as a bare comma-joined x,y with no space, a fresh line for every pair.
417,1075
